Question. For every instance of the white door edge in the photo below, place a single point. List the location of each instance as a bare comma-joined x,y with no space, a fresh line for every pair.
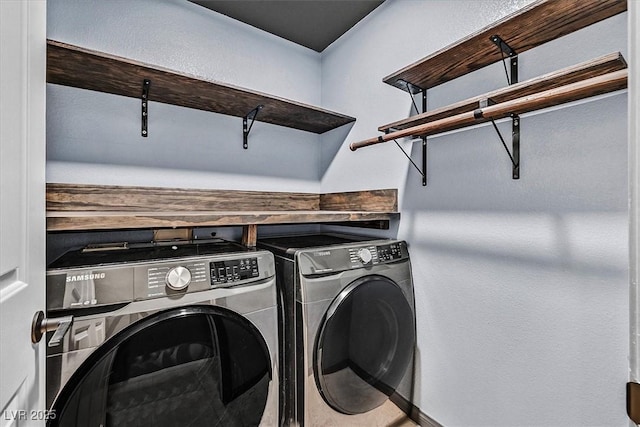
634,191
22,208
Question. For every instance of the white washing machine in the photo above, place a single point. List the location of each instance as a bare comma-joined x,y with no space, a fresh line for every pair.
349,328
182,335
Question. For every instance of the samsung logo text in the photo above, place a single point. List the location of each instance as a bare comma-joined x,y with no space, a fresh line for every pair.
81,277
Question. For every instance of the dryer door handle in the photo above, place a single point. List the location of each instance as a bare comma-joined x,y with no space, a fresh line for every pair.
41,325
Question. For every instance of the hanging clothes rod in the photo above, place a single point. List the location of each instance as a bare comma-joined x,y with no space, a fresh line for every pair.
572,92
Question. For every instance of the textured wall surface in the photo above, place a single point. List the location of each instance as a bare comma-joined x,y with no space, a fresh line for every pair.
521,286
95,137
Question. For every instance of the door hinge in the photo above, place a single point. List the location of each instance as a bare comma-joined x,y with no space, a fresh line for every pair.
633,401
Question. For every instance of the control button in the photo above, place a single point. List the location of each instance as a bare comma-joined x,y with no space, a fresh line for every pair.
365,255
178,278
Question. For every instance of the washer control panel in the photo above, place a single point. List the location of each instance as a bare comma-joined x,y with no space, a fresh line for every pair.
202,274
175,277
178,278
124,282
234,270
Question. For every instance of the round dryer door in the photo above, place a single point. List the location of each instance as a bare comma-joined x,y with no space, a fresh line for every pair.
199,365
364,345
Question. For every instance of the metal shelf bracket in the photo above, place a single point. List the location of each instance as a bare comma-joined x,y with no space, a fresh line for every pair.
424,142
412,89
146,84
246,126
512,76
514,154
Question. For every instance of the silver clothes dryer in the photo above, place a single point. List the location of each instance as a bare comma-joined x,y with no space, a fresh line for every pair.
163,336
349,328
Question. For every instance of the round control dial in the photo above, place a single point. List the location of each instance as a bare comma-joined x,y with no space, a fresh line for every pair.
365,255
178,278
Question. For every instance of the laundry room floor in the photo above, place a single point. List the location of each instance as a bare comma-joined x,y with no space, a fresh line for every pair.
388,415
398,418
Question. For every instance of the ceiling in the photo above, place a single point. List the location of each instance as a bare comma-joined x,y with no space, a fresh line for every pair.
311,23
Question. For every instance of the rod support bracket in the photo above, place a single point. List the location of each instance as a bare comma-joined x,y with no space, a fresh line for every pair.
515,145
422,171
146,84
514,154
424,142
424,161
246,126
486,102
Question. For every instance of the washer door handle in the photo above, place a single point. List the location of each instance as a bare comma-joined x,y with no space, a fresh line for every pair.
41,325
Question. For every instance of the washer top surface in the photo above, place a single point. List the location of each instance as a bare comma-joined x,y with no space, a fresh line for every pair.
144,252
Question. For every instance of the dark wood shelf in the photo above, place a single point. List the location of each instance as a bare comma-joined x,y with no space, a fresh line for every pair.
596,67
72,207
535,24
75,66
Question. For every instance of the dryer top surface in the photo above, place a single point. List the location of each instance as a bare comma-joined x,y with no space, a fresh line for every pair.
289,245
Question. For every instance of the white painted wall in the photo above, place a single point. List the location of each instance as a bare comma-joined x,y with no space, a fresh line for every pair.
95,137
521,286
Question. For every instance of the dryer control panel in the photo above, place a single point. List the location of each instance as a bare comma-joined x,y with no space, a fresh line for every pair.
335,259
369,255
390,252
363,256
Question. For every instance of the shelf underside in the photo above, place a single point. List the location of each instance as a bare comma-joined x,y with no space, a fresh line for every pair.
74,66
536,24
593,68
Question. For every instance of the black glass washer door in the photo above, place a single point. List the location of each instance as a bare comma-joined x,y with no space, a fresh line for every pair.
193,366
364,345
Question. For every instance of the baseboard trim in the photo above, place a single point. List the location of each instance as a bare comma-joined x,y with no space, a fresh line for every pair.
422,419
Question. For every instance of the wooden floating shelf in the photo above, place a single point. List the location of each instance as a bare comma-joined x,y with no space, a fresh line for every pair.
73,207
75,66
70,221
572,92
535,24
596,67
